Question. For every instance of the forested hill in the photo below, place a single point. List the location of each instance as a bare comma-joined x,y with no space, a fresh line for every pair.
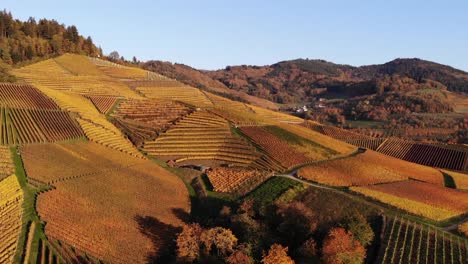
300,80
27,40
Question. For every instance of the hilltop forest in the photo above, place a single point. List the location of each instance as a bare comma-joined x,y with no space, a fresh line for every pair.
22,41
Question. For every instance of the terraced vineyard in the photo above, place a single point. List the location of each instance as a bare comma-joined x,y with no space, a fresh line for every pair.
103,103
52,75
278,149
156,112
142,120
408,242
204,136
123,72
94,124
173,90
11,199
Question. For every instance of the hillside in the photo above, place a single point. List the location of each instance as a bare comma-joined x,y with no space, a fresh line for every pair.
127,165
23,41
199,79
404,97
300,80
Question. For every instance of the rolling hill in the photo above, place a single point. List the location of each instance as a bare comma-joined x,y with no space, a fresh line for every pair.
107,151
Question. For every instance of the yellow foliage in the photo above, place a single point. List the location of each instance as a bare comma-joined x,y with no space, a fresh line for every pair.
463,228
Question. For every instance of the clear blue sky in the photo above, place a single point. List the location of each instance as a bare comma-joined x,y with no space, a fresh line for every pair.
212,34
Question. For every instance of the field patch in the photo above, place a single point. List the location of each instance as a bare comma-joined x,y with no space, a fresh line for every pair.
233,179
428,200
117,208
366,169
278,149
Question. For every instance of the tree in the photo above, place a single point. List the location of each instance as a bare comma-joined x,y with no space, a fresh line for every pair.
340,247
134,60
309,248
360,228
188,243
240,256
218,239
277,254
114,55
297,222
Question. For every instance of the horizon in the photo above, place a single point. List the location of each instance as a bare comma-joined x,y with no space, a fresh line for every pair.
262,34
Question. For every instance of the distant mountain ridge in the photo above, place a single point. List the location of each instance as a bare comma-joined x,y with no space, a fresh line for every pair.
296,80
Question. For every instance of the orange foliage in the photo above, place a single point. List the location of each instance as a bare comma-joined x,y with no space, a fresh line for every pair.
339,247
277,254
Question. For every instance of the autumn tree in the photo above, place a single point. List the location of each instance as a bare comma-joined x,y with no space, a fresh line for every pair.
241,255
114,55
188,243
218,239
360,228
308,248
296,222
340,247
277,254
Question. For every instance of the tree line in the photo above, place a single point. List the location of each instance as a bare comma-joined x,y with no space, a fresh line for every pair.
26,40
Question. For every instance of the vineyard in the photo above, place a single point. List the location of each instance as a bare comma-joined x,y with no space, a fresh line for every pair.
434,155
11,200
278,149
368,168
6,163
25,97
142,120
428,200
237,113
312,149
52,75
175,91
71,160
408,242
232,179
202,136
328,142
118,71
103,103
102,198
94,124
426,154
20,126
